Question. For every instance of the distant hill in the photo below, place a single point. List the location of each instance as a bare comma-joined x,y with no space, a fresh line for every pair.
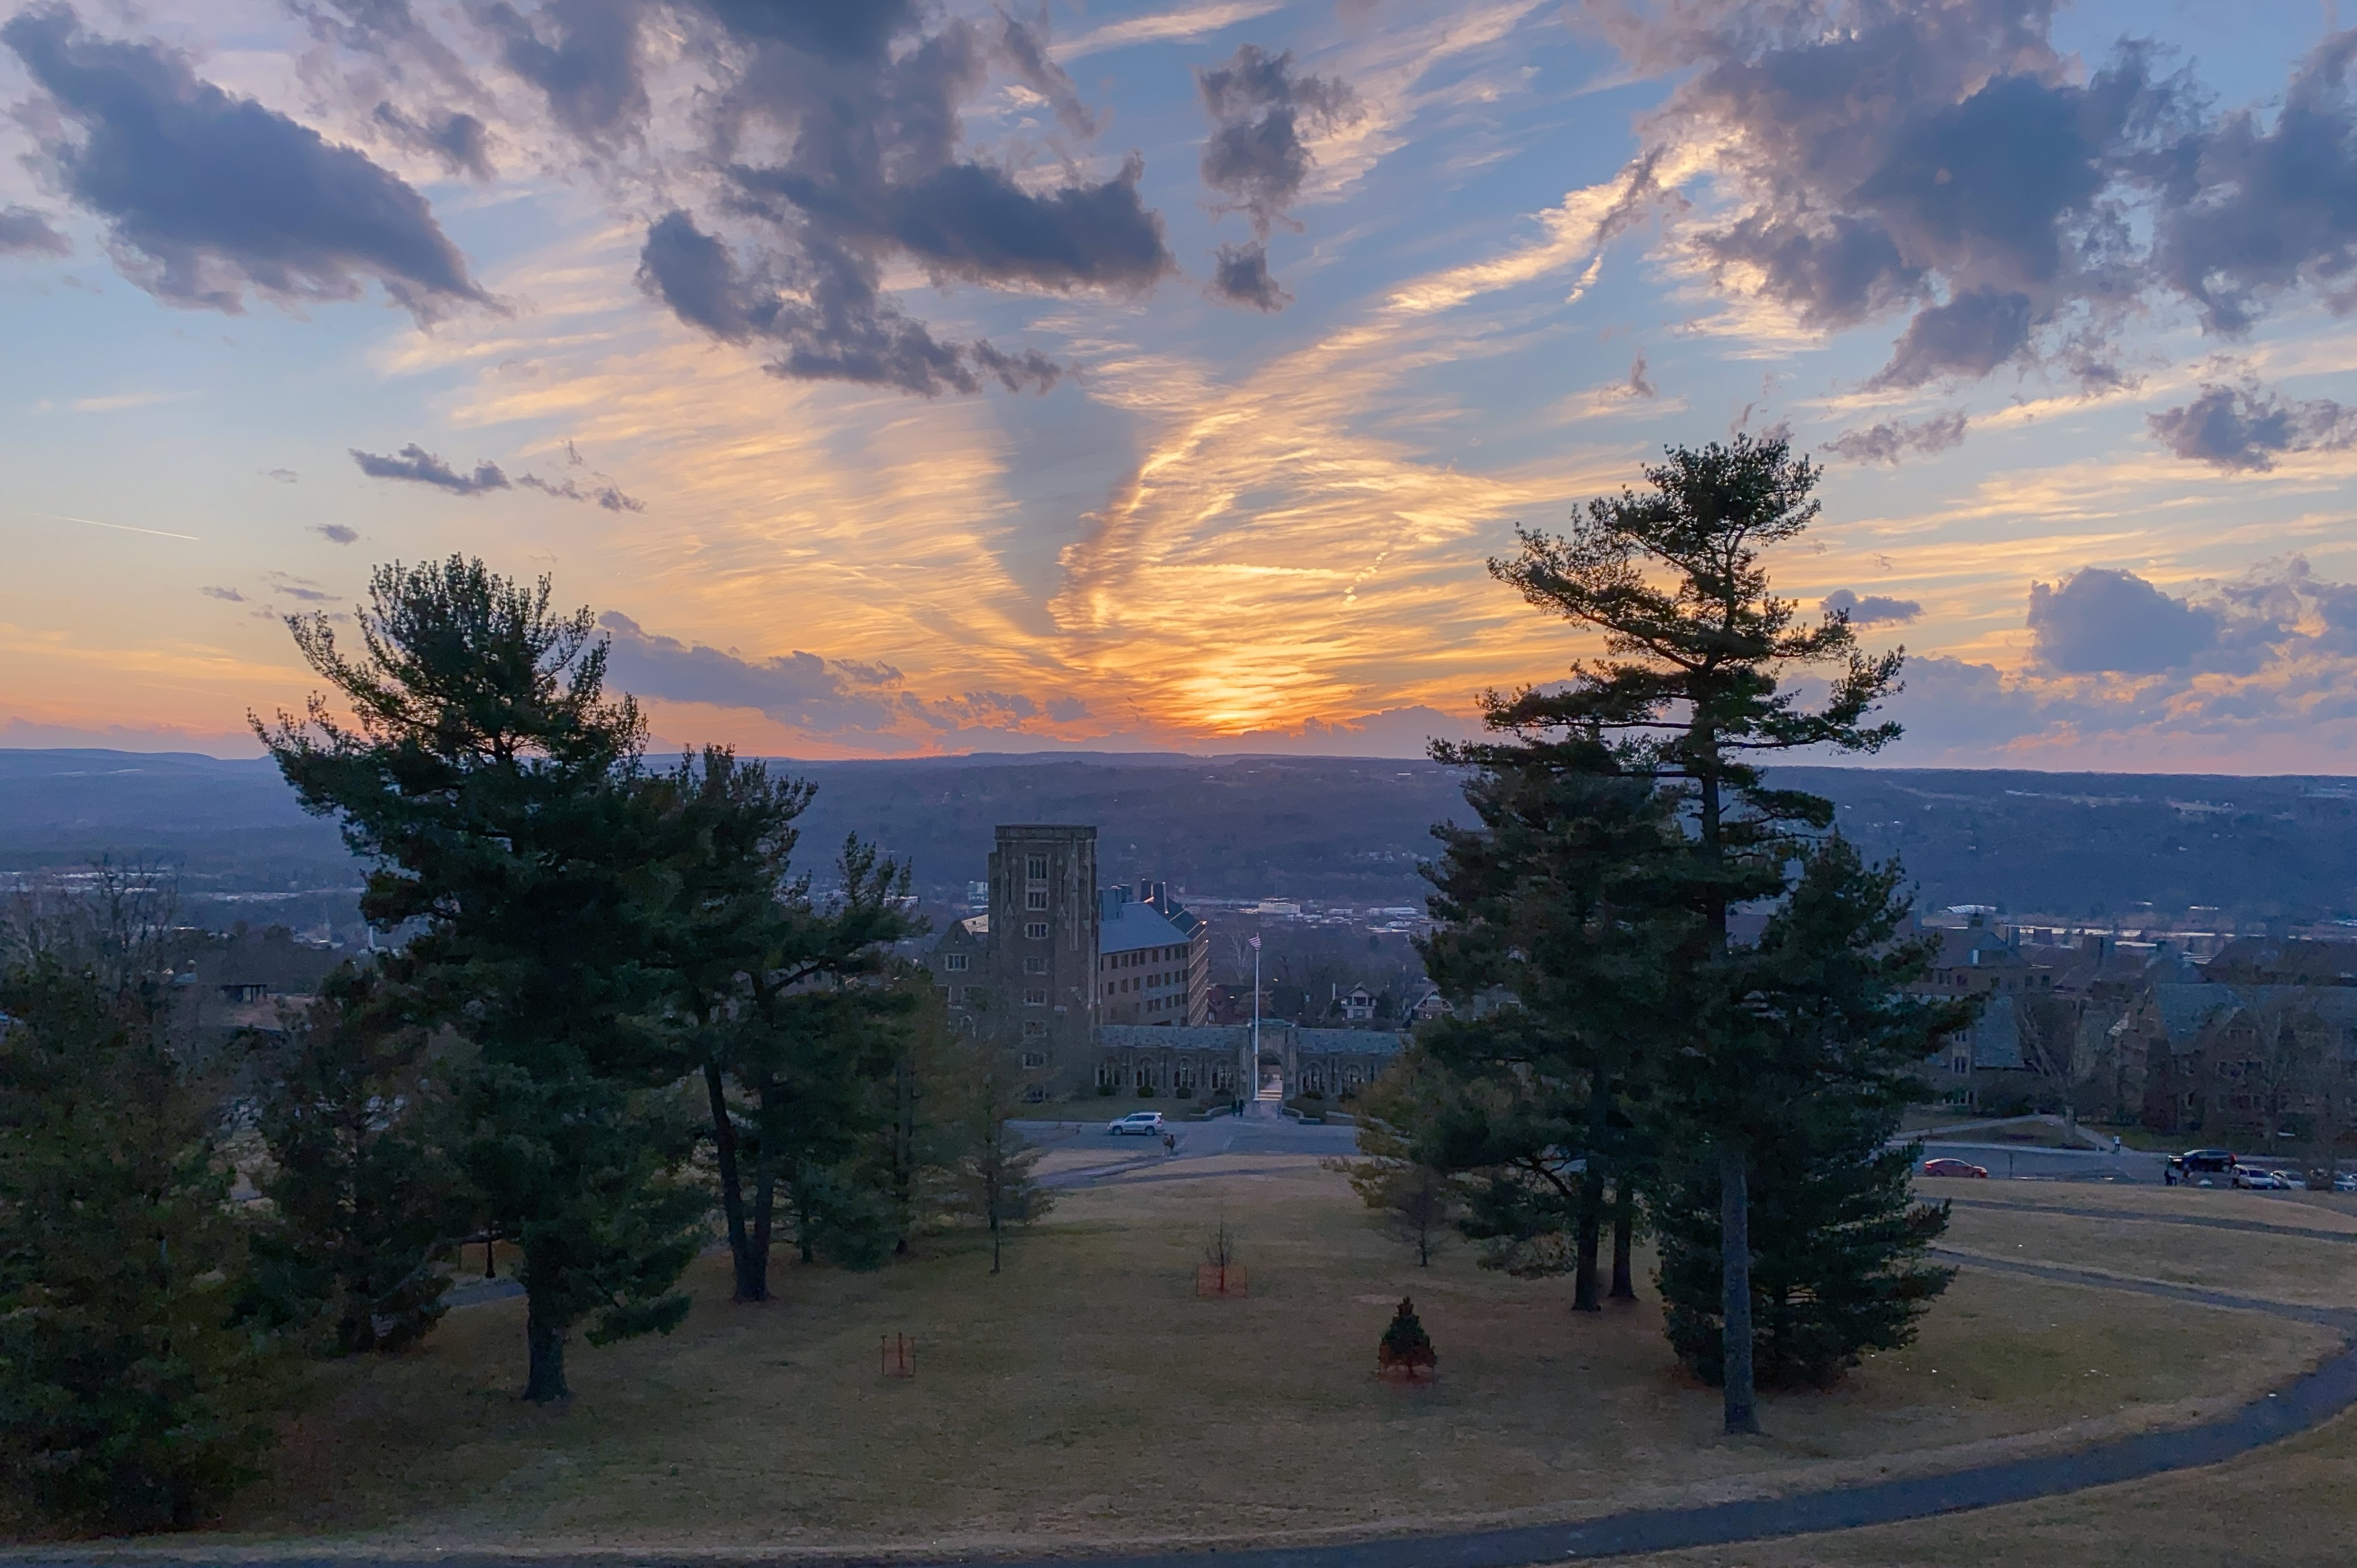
1337,829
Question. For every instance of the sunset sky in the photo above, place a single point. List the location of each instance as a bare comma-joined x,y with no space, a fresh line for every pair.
897,377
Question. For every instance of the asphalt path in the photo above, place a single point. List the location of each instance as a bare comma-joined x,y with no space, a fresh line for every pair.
1128,1158
2028,1161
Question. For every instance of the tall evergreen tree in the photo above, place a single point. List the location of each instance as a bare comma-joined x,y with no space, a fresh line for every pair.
480,765
1560,901
365,1198
133,1394
1838,1239
1688,695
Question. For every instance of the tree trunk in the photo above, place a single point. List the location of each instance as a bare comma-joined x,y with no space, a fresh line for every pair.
1624,1236
765,1204
1590,1221
1586,1229
545,1337
751,1284
1735,1289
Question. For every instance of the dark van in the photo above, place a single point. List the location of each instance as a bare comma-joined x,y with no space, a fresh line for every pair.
2202,1162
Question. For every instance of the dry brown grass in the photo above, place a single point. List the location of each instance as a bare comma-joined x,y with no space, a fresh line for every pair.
1086,1395
2293,1506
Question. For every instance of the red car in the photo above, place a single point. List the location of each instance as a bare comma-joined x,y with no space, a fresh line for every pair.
1953,1167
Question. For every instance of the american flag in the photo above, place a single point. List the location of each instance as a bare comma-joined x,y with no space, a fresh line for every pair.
1255,944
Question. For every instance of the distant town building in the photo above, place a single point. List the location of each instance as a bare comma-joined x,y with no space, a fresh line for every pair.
1054,957
1154,959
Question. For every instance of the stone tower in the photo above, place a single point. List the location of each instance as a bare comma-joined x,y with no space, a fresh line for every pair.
1043,952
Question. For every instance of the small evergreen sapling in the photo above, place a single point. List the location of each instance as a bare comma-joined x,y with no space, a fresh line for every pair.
1405,1347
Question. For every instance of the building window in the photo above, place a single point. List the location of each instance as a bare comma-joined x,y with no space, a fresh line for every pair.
1036,867
1036,998
956,994
1035,1028
1037,1094
955,962
1107,1074
1036,900
1035,1059
1035,966
1037,930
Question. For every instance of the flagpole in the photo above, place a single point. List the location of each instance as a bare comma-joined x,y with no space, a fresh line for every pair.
1255,1029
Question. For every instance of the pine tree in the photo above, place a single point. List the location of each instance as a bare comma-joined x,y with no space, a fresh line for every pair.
1697,646
1406,1345
131,1394
992,1176
1561,901
365,1200
500,795
1396,1175
1838,1240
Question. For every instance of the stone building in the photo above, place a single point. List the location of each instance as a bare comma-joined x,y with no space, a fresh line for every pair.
1211,1061
1023,975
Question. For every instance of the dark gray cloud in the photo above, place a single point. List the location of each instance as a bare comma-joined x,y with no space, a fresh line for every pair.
207,196
583,55
416,465
799,689
838,130
1240,273
302,589
2099,621
1257,156
284,475
25,233
824,306
335,532
2264,210
1641,382
460,140
1893,439
388,32
2245,428
229,595
603,492
1946,163
1871,610
1024,46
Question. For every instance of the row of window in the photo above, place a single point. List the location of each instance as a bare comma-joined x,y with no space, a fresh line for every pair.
1148,1075
1139,982
1136,956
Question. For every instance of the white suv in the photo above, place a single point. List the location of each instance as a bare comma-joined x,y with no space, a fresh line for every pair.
1148,1122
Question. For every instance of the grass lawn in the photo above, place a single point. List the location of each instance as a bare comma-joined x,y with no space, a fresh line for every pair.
1086,1396
2292,1506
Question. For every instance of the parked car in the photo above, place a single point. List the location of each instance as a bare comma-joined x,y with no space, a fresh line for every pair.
1948,1167
2345,1182
2260,1181
2294,1181
1145,1124
2194,1164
